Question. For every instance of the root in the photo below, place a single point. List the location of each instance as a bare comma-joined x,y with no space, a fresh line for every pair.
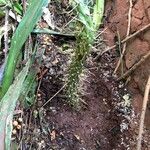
134,67
145,100
127,34
123,41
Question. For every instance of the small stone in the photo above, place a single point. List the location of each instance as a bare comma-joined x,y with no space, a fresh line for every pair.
18,127
20,120
15,123
38,95
53,135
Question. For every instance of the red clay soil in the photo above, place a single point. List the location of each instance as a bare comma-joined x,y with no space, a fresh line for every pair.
116,20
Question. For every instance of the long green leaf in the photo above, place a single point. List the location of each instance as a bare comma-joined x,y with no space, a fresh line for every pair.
7,106
25,27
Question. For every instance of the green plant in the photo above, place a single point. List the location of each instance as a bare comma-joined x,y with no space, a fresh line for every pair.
25,81
88,25
24,29
28,92
7,106
12,4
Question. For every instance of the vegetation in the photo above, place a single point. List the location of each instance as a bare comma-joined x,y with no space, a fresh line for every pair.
47,44
9,94
88,25
15,85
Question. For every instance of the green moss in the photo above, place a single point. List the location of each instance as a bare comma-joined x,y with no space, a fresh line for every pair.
88,24
75,69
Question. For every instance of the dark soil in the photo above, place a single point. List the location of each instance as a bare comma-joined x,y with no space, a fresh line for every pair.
107,120
96,126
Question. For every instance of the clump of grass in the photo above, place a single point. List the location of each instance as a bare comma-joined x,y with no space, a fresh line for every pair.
24,29
88,24
11,89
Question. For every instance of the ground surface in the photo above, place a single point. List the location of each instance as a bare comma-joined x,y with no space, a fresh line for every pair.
109,120
97,126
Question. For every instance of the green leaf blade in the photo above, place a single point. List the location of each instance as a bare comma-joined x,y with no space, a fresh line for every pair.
25,27
7,106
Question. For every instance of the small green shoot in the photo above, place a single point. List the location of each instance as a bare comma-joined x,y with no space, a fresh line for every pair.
88,25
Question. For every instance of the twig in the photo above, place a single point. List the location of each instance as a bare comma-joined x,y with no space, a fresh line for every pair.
127,34
134,67
24,5
54,95
119,47
145,100
124,40
6,31
69,22
101,32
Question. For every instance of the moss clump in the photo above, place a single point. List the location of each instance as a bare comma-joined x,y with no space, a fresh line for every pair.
88,24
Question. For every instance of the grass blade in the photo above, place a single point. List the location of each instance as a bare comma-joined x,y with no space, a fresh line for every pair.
25,27
98,13
7,106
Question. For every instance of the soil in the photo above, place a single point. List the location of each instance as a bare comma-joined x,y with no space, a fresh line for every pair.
99,125
116,21
110,118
